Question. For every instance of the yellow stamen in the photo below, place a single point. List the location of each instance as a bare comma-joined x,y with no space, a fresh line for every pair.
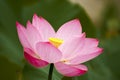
65,61
55,41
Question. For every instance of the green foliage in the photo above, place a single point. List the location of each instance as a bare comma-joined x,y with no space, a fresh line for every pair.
12,63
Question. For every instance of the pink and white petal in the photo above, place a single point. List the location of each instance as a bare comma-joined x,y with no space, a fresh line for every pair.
92,53
70,70
44,28
90,46
33,35
48,52
69,29
34,61
30,52
70,47
22,35
91,42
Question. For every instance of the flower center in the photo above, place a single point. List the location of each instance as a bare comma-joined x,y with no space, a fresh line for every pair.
56,42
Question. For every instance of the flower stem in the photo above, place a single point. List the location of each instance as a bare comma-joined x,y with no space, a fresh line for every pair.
50,71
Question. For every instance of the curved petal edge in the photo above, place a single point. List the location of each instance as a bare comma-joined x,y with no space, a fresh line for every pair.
34,61
70,70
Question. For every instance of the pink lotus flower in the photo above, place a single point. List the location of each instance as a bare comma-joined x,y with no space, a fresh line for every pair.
67,48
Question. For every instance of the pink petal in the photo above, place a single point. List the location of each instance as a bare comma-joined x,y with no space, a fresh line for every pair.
70,70
69,29
91,53
44,28
22,35
30,52
91,42
35,61
48,52
88,51
70,47
33,34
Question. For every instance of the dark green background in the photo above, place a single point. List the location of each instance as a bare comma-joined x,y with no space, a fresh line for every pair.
12,63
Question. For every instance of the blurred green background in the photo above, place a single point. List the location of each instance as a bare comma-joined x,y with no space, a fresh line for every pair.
99,19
